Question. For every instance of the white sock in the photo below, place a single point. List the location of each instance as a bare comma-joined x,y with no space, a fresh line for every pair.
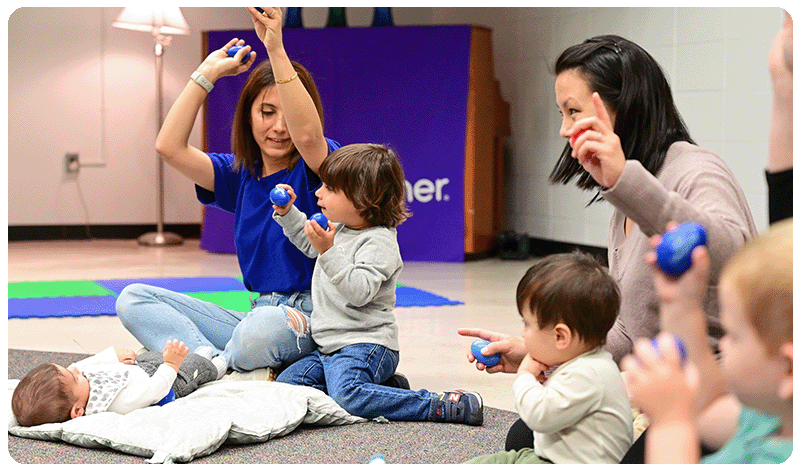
221,364
205,352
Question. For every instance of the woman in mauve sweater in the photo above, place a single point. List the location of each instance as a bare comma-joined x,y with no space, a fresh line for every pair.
627,142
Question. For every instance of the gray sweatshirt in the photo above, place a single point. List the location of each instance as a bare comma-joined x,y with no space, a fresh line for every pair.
353,286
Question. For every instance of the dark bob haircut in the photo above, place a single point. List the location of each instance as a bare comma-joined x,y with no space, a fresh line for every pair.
633,86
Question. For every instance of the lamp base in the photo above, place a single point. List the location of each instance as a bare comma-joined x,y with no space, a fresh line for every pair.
160,239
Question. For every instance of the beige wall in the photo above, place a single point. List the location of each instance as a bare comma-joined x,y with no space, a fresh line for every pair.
76,84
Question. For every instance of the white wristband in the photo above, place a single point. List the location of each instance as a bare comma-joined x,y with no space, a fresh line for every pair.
201,80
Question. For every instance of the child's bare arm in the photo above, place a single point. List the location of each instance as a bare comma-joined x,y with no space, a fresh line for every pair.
682,314
664,391
174,354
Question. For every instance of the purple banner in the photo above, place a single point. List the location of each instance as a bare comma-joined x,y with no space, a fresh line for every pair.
405,87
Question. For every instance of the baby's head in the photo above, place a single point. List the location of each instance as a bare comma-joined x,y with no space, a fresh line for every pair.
756,310
568,303
50,393
372,179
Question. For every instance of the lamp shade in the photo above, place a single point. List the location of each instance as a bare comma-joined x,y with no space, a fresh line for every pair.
165,20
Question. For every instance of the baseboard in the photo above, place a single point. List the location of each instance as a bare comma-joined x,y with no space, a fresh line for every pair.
89,232
539,247
520,247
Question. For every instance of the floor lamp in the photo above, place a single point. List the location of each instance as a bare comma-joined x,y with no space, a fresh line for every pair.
161,22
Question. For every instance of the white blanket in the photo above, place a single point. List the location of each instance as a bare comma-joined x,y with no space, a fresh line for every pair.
196,425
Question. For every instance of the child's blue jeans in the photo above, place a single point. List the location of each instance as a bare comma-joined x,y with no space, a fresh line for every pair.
263,337
352,377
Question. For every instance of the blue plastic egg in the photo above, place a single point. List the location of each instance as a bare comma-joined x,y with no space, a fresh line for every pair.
321,219
678,343
674,254
489,361
167,399
279,196
235,49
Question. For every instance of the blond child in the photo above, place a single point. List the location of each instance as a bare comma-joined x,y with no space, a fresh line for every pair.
353,290
747,419
568,390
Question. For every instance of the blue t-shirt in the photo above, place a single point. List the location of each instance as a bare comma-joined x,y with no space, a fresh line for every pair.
754,442
268,260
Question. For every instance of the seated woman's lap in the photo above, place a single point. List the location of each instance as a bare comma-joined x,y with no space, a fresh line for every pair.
273,336
262,337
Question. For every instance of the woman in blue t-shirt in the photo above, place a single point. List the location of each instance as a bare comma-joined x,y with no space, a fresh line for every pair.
277,138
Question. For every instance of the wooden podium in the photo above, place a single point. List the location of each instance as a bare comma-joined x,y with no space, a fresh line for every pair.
488,124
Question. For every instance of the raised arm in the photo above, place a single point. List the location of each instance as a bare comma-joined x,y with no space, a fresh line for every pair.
302,119
780,68
172,142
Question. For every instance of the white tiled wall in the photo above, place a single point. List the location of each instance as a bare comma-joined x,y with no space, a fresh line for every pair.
715,59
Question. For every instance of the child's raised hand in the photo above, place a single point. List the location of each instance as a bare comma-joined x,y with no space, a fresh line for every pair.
321,239
174,353
126,356
681,298
658,383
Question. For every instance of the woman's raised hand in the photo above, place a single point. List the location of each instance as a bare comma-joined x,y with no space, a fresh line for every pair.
268,23
598,150
219,64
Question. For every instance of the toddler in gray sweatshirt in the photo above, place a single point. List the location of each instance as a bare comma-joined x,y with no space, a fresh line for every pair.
353,291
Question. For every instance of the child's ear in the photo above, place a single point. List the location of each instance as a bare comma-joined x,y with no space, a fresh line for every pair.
786,386
76,411
563,335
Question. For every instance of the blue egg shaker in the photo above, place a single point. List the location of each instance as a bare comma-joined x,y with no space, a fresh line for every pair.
674,254
490,360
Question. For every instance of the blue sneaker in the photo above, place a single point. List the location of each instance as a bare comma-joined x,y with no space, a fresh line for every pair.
459,407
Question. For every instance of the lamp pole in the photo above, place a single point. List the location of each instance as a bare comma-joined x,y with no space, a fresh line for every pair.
160,237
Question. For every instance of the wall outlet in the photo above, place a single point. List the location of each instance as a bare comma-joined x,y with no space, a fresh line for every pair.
71,163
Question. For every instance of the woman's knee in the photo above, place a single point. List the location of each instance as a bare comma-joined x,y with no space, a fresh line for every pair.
127,299
266,328
269,338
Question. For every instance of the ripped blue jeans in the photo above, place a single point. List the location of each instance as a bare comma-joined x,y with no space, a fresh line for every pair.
275,332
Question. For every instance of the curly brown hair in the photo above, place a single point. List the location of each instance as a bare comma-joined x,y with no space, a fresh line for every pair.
371,177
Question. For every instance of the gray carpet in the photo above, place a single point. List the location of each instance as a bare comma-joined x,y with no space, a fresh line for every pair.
399,442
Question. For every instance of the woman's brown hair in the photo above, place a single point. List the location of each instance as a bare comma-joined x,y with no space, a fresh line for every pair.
244,147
